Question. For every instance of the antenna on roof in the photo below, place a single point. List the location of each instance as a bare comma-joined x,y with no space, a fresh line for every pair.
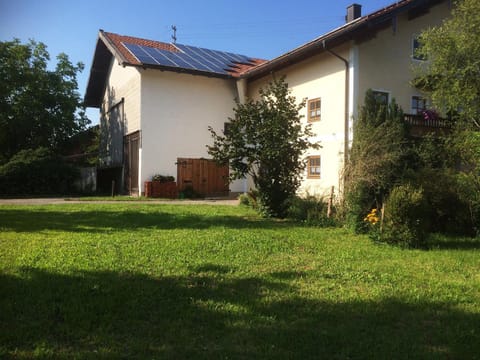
174,36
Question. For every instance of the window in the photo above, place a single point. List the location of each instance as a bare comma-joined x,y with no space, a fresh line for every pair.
381,97
419,104
314,109
416,45
313,168
226,128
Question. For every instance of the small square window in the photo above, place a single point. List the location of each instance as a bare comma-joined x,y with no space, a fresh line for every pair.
416,46
314,110
313,167
419,104
381,97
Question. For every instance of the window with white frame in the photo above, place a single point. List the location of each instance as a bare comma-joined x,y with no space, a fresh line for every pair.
313,167
381,97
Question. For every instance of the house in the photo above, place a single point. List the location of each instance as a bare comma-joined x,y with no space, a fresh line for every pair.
167,109
334,71
156,102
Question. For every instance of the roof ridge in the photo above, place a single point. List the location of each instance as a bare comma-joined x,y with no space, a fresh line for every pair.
337,32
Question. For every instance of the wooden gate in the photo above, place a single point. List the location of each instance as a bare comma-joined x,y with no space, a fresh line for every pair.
131,145
204,176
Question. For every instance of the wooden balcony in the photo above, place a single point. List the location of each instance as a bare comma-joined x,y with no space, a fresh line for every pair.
421,125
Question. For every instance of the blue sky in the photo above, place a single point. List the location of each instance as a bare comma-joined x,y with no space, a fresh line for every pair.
261,28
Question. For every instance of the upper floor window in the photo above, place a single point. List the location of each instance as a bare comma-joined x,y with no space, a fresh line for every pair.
419,104
381,97
314,109
313,167
416,45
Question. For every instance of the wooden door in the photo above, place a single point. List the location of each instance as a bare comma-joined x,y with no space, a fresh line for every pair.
204,176
131,146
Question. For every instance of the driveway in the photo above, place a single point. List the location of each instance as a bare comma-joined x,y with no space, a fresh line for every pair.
56,201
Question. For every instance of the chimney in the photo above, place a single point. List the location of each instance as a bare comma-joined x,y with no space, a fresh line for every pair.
354,11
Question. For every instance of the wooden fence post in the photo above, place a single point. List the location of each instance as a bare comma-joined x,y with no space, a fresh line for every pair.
330,202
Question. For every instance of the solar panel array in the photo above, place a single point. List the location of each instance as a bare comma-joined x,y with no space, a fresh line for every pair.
188,57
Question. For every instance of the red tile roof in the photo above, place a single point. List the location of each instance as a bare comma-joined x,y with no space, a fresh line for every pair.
119,40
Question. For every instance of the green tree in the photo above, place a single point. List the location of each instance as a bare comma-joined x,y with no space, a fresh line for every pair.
38,107
451,77
452,73
267,141
378,158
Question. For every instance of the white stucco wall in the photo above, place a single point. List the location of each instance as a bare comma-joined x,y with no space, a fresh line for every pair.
321,76
176,112
124,82
386,62
118,118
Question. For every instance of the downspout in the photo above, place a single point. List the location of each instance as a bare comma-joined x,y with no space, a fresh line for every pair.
242,91
347,101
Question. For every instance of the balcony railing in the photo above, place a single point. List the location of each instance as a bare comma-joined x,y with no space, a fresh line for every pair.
420,120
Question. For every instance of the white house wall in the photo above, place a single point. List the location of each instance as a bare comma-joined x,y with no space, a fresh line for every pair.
124,82
386,61
119,117
321,76
176,112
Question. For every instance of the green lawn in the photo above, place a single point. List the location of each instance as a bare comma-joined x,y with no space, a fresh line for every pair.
150,281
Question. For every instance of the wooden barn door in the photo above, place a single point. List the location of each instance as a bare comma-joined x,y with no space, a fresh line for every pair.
131,146
203,175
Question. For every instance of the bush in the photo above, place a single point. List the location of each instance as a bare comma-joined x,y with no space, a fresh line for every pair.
406,217
189,193
249,199
311,210
450,200
162,178
37,172
358,201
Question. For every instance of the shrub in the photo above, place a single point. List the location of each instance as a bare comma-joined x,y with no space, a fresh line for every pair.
449,199
190,193
406,217
249,199
359,199
311,210
163,178
37,172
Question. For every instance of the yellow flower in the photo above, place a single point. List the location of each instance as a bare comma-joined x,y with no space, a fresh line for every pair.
372,217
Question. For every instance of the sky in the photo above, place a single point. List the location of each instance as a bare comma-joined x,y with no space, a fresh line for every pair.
257,28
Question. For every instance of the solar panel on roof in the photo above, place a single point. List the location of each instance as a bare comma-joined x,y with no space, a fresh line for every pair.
202,57
188,57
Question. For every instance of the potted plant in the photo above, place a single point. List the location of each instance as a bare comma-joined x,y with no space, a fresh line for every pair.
161,186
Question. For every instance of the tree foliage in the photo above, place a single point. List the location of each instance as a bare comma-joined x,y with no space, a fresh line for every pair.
38,107
267,141
452,73
37,171
378,157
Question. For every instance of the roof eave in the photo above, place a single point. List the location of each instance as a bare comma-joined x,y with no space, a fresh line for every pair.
105,51
338,36
182,71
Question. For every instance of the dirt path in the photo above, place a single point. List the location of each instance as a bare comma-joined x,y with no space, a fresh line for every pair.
56,201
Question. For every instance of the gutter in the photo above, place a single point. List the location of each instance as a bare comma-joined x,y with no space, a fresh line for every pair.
347,100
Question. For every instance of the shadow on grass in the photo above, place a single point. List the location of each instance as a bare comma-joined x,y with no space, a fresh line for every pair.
102,220
208,315
438,241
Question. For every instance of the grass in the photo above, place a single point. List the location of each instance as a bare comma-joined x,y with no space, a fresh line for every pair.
148,281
